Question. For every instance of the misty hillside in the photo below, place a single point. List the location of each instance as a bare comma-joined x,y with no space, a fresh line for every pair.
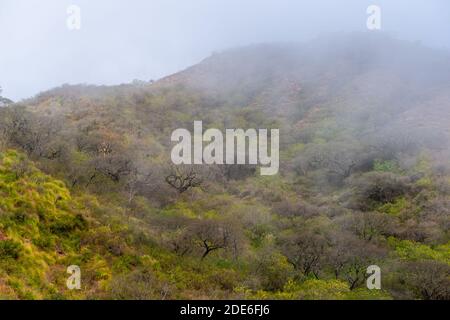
340,73
364,179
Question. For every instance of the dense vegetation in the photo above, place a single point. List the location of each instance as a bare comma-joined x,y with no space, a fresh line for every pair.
364,179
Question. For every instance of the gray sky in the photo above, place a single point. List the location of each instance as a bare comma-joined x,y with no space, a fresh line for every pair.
122,40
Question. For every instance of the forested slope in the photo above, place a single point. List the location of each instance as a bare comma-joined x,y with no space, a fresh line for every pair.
364,179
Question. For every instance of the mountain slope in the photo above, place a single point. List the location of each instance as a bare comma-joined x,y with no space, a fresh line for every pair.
364,177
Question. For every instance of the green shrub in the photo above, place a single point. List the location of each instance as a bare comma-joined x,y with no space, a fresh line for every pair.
10,249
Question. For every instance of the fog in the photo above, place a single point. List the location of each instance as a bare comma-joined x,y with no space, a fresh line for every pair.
146,39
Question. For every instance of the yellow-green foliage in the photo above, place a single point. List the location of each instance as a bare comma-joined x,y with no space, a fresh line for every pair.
44,229
386,166
394,208
314,289
39,227
410,250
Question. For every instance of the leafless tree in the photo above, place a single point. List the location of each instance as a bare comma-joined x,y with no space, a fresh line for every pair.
211,235
305,251
183,178
430,280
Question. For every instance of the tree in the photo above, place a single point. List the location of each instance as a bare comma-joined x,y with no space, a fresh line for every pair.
183,178
368,226
338,253
211,235
271,268
350,257
376,188
137,180
429,280
34,134
15,127
339,160
113,166
139,285
180,242
304,251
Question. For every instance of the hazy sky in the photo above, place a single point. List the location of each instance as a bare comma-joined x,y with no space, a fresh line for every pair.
122,40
